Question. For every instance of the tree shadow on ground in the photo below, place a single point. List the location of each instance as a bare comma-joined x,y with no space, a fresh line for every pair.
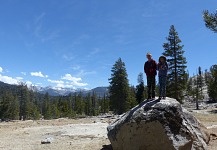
213,111
107,147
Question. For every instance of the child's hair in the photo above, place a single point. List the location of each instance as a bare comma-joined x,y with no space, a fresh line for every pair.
165,59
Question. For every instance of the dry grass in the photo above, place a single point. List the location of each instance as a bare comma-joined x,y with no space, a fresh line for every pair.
210,121
206,119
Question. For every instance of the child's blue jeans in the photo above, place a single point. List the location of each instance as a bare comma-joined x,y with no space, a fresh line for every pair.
162,86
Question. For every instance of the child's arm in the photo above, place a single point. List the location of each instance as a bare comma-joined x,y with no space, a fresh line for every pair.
158,66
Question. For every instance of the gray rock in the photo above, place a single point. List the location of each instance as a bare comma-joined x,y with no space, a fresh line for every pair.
155,125
47,140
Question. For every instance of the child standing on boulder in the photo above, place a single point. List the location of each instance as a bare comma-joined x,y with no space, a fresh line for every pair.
150,68
162,68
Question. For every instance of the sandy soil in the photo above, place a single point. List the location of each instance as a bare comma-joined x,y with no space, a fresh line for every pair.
81,134
209,121
73,134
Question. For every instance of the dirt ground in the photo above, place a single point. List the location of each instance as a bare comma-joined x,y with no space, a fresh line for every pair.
209,121
72,134
64,134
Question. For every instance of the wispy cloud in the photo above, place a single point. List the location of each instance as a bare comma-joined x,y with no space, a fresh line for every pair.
1,70
155,8
122,39
39,30
55,81
74,81
50,35
23,73
76,67
82,73
67,57
59,83
38,74
93,52
39,18
79,40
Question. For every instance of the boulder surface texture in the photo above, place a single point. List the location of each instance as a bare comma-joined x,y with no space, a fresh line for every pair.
155,125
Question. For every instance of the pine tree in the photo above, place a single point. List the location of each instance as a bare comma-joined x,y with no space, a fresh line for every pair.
105,104
80,105
55,109
71,112
9,106
190,87
196,91
206,76
198,87
210,20
94,104
32,108
132,97
119,88
47,107
140,89
88,105
24,101
177,76
200,82
14,108
212,83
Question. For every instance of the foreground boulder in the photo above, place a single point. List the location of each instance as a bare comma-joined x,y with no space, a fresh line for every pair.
155,125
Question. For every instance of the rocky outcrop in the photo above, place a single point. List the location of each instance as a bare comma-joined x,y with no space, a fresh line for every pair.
155,125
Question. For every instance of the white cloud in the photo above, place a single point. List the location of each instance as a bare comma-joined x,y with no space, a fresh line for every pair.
23,73
74,81
38,74
1,69
9,80
28,83
60,85
55,81
19,78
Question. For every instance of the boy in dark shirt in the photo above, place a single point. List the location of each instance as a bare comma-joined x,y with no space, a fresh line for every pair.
150,68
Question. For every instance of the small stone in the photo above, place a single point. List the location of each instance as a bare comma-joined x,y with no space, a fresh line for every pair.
46,141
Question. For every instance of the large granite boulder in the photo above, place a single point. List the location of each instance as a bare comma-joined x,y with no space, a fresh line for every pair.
155,125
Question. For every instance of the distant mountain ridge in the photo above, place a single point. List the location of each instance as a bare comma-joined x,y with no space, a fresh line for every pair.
99,91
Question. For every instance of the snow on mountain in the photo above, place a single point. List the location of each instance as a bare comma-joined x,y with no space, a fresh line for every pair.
53,91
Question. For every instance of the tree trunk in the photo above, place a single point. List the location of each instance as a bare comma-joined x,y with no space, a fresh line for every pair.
176,76
197,105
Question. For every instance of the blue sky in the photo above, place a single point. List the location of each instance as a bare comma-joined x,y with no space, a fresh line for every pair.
74,43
